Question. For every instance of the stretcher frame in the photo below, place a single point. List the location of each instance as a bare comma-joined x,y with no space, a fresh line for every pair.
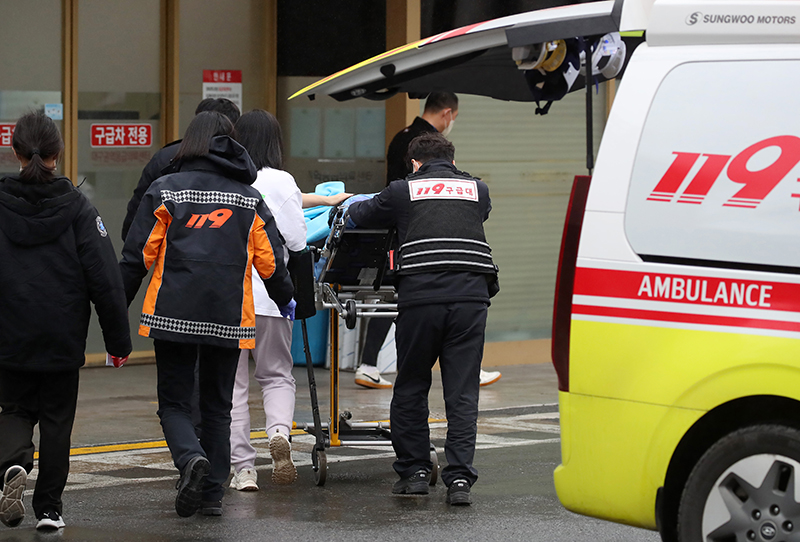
349,292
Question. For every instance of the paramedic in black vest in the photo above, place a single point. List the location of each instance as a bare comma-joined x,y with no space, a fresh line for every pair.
445,279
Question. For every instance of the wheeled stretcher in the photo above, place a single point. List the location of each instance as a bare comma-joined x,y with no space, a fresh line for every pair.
353,281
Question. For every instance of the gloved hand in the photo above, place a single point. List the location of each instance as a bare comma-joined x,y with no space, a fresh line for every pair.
287,311
115,361
344,205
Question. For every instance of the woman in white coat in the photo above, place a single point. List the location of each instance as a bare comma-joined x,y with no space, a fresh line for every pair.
259,132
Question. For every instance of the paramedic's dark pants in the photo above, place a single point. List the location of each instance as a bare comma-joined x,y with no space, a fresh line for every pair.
49,399
453,333
175,363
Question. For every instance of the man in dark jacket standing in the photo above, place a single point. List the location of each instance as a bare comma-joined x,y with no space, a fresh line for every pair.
445,279
162,159
441,110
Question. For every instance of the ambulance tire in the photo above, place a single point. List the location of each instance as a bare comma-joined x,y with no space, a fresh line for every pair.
743,488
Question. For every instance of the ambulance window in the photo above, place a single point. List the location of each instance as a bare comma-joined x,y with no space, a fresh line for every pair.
715,179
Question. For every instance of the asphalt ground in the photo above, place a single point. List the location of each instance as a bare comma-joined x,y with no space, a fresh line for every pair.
122,481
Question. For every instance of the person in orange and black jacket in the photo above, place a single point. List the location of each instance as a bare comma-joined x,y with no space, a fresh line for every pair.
57,260
202,230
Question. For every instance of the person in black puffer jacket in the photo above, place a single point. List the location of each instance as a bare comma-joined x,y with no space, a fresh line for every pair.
57,259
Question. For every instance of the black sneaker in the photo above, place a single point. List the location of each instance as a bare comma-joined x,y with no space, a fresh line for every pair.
416,484
12,510
190,486
50,521
458,493
211,508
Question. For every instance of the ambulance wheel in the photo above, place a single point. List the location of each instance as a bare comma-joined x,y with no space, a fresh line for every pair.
435,468
743,488
320,467
350,314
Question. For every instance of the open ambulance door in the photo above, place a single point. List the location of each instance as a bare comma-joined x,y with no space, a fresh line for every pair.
530,57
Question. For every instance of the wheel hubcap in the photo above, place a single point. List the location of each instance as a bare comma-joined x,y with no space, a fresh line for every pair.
754,499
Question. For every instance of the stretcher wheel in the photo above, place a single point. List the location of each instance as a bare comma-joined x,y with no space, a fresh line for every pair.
320,467
350,314
435,468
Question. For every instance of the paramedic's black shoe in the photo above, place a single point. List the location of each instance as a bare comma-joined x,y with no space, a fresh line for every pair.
458,493
190,486
50,521
416,484
211,508
12,510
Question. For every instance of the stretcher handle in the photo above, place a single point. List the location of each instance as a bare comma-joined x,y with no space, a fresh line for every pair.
376,285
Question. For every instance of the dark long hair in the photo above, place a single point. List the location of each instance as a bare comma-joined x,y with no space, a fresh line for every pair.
259,132
36,139
204,126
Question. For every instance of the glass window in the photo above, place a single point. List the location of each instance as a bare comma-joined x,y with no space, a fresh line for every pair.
32,73
119,104
715,176
529,162
222,35
326,140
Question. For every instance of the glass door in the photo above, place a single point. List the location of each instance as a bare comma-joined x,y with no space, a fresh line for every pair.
119,115
26,84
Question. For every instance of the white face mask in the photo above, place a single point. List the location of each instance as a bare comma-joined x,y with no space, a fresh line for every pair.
449,125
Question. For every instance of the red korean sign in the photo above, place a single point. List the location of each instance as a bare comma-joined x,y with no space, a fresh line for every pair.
6,131
223,84
222,76
121,135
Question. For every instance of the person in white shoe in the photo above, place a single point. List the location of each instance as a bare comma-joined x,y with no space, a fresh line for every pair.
259,132
489,377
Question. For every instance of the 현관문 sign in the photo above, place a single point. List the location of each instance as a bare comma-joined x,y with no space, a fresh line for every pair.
223,84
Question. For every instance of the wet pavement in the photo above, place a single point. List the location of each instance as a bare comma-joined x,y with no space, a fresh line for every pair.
122,481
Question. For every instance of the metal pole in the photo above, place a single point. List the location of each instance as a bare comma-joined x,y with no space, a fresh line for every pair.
587,49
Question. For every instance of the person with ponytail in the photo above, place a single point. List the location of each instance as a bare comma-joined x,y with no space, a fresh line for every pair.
58,260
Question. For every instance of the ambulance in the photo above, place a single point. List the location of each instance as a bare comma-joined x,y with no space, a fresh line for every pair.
676,328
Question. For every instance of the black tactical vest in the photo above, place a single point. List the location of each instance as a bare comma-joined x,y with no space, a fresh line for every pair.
445,229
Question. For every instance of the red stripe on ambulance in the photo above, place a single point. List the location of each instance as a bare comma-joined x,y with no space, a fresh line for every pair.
688,289
683,318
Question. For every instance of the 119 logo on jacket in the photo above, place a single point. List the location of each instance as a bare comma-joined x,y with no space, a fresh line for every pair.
422,189
217,219
758,183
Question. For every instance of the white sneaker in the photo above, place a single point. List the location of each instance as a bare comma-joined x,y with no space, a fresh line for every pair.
50,521
489,377
283,469
12,510
245,480
369,377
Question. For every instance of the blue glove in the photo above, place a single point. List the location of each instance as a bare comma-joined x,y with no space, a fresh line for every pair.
287,311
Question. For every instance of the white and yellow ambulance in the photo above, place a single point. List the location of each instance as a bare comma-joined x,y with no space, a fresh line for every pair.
676,333
678,342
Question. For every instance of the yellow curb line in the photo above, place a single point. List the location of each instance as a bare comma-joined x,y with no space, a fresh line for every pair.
152,444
